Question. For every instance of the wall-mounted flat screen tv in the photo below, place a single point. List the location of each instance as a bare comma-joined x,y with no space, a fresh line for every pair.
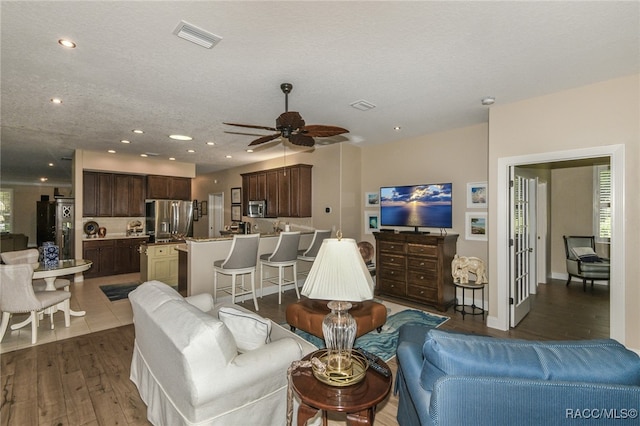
417,206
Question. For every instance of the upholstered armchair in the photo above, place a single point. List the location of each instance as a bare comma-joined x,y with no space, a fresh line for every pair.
583,262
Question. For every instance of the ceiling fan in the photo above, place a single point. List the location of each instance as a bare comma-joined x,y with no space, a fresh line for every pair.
291,126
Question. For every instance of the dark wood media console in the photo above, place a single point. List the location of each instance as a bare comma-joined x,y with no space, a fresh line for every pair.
416,267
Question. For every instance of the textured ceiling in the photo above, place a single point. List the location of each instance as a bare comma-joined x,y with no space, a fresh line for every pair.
425,65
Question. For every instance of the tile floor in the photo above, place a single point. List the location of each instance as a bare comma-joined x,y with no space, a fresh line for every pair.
101,314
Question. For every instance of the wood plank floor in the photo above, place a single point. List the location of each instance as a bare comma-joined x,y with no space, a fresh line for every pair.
84,380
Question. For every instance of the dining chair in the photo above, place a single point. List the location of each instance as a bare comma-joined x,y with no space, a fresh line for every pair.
285,255
241,260
309,255
17,297
30,256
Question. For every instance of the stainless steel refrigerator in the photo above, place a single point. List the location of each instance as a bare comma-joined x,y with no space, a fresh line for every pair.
54,222
168,220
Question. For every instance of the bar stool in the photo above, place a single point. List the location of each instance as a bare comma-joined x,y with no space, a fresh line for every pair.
309,255
241,260
285,255
472,309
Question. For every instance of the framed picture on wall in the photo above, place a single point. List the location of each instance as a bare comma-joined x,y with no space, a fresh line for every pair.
477,195
476,226
371,199
371,222
203,208
236,212
236,195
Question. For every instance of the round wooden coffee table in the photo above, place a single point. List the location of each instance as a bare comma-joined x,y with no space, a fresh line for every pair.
358,401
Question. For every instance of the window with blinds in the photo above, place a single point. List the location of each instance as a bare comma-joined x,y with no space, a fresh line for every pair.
602,204
6,207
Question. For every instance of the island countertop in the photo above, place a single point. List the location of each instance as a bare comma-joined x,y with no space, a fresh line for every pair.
202,252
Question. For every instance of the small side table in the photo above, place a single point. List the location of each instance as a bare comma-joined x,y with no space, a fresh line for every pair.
472,309
358,401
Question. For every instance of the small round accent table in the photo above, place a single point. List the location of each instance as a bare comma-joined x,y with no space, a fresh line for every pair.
358,401
472,309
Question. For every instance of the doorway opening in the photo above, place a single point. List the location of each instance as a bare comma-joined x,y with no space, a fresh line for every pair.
615,154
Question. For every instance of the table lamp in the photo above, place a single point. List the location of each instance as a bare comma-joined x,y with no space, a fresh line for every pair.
339,274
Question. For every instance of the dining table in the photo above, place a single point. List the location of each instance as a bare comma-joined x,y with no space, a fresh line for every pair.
64,267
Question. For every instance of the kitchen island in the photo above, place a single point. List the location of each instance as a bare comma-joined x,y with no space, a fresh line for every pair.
201,253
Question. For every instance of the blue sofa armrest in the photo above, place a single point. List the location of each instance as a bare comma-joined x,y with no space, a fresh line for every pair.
459,400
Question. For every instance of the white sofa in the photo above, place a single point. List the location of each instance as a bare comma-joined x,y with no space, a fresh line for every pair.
188,367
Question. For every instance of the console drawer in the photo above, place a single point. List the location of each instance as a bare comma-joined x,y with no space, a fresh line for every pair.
424,278
423,293
422,264
422,250
392,260
391,246
392,274
392,287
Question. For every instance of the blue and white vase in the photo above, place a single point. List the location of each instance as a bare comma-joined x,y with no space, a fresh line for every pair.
50,254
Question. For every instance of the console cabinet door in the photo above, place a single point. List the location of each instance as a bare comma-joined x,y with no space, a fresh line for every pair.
102,254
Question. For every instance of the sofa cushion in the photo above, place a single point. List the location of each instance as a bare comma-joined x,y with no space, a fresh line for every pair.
595,361
248,329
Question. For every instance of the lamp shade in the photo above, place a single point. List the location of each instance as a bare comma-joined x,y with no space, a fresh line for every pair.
339,273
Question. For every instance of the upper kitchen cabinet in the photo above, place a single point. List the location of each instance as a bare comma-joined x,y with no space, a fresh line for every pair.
112,194
168,188
287,190
128,195
96,194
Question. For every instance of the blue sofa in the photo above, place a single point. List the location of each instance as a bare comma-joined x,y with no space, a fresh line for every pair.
455,379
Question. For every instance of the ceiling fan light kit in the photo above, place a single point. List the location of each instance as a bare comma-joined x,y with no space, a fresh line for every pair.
291,126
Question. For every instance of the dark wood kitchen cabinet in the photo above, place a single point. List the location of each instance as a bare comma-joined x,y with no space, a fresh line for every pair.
128,195
102,254
287,190
127,255
168,188
112,195
96,194
112,257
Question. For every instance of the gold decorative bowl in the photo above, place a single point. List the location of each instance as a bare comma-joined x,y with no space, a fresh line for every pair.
358,371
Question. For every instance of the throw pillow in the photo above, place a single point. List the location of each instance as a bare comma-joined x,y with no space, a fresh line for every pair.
585,254
248,329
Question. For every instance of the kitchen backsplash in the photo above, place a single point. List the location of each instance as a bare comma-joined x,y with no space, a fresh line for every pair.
114,225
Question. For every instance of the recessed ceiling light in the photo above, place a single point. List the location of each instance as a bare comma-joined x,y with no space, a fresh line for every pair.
44,179
138,131
125,141
56,100
143,155
249,150
50,164
191,151
181,137
111,151
172,158
67,43
211,143
489,100
228,156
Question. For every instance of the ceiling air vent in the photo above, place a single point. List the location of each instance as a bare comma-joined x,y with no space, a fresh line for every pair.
196,35
362,105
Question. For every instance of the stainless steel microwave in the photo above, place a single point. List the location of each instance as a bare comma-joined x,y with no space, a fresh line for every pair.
257,208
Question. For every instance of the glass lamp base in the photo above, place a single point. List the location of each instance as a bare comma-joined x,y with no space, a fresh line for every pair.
339,330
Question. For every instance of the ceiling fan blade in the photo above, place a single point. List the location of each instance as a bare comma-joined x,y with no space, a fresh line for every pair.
241,133
320,131
290,119
302,140
251,126
264,139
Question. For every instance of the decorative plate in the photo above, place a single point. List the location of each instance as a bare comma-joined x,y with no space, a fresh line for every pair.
91,228
366,250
